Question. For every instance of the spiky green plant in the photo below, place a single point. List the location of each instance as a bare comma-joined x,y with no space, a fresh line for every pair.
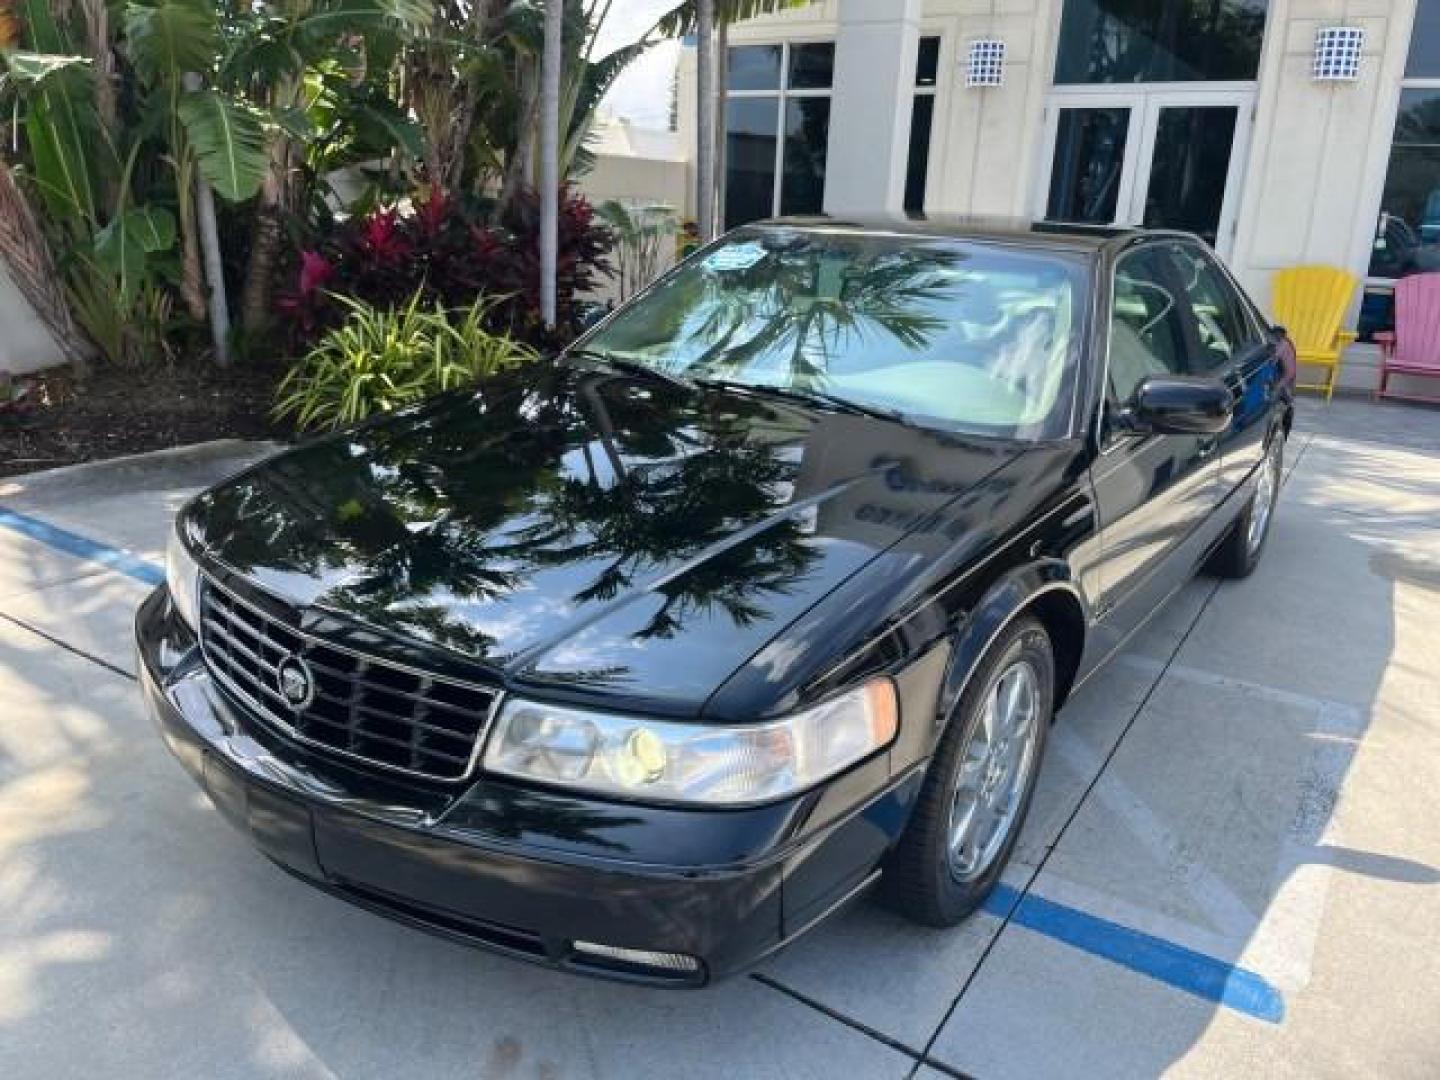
380,361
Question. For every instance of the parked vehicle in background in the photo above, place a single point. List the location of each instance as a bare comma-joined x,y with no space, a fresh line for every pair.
642,662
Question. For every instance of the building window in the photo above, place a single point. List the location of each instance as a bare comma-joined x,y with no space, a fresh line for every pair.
1424,59
1407,234
1132,41
777,125
922,120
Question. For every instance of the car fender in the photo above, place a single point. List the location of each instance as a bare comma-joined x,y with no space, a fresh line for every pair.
1002,603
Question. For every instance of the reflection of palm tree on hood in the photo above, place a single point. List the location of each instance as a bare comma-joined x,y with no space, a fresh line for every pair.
674,510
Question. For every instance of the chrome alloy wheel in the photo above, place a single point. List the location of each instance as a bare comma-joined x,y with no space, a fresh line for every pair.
998,761
1264,502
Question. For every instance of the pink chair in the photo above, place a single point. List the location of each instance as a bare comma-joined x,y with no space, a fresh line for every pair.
1413,347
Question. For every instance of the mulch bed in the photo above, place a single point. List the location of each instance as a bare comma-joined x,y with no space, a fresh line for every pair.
53,418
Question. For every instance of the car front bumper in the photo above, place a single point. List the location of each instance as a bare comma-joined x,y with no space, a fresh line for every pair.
678,897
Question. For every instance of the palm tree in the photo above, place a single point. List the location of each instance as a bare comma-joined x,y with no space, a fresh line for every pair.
550,156
710,22
24,251
706,123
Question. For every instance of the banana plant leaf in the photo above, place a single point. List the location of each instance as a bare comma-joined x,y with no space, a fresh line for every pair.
27,70
228,140
121,247
60,122
168,39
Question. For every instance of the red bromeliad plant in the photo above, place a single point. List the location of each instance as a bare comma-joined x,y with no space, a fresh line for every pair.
452,253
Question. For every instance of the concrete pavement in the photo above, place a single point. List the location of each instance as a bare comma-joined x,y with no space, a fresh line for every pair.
1231,865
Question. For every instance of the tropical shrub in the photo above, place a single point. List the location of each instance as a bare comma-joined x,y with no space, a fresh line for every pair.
378,361
644,236
449,251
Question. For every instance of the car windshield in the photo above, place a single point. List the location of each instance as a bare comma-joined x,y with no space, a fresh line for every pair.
972,336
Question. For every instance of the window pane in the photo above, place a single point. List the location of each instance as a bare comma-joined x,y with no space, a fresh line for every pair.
1089,157
1187,176
1147,332
811,66
807,129
927,67
750,134
921,116
1407,237
754,67
1425,42
1122,41
1220,322
1377,311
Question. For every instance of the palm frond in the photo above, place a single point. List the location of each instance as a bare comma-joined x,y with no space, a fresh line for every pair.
330,18
680,20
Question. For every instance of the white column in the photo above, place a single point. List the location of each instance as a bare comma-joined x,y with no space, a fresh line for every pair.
870,105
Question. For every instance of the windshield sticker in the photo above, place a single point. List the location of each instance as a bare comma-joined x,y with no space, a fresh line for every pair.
735,257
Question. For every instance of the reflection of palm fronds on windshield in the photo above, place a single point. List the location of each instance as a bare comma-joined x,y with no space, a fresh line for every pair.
795,317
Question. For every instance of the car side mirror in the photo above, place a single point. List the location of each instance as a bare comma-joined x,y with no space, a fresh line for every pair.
1180,405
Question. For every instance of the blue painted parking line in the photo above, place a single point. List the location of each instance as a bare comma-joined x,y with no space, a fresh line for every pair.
1158,959
82,547
1155,958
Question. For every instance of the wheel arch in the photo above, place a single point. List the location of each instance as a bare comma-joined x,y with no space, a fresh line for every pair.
1044,590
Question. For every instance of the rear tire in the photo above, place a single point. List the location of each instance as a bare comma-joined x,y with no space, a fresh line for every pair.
936,876
1239,553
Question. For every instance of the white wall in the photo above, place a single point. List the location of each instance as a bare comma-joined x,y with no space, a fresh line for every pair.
639,181
642,180
983,142
870,106
986,141
25,343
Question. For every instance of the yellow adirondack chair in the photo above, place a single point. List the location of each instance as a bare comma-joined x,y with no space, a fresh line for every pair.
1310,301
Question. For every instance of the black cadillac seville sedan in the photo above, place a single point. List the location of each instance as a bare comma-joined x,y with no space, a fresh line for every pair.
642,661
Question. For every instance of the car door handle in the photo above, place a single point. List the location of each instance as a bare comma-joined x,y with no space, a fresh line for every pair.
1207,448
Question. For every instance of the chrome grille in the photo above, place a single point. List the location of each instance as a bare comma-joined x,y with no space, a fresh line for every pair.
361,707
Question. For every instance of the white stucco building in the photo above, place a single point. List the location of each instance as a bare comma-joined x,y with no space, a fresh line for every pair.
1285,131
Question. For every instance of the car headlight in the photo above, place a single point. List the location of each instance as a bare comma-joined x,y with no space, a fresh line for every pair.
182,576
709,764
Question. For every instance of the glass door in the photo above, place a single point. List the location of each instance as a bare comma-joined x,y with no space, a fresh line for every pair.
1191,162
1094,141
1160,159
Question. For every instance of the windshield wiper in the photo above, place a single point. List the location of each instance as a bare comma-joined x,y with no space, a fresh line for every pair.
811,396
632,367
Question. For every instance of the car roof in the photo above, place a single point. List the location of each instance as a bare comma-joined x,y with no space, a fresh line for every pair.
1020,232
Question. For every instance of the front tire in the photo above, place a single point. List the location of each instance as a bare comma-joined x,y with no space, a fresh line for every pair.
1239,553
979,785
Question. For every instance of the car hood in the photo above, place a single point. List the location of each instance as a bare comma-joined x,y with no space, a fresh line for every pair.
605,536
